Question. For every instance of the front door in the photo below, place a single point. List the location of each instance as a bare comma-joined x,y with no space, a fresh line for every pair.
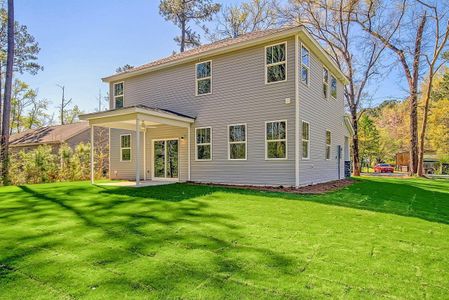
166,159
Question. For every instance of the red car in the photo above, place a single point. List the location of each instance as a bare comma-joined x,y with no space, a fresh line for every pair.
383,168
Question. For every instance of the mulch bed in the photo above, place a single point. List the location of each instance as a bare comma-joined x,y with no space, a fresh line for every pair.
320,188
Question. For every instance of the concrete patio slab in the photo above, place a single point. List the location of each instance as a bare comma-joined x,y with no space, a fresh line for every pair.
133,183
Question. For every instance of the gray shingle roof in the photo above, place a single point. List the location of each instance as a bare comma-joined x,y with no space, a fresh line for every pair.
212,46
48,135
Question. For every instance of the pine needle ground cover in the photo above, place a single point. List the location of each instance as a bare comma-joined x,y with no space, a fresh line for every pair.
379,238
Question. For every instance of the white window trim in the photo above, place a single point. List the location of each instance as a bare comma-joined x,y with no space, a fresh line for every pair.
122,148
165,160
245,142
327,82
198,79
330,86
328,145
202,144
281,140
113,93
276,64
303,140
307,66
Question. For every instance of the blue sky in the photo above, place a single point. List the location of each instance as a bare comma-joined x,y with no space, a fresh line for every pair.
82,41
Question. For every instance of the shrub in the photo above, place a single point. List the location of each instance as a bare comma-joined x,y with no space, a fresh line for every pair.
42,165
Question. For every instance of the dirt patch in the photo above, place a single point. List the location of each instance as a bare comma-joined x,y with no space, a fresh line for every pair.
319,188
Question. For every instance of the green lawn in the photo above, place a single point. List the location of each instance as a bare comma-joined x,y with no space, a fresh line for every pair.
380,238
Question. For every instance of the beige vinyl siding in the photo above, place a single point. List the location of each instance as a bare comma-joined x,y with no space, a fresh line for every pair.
124,169
240,95
322,114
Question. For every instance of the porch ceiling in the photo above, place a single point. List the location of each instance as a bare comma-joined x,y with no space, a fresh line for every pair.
125,118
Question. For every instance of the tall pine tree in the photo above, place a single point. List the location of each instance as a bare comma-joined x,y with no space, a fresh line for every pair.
182,13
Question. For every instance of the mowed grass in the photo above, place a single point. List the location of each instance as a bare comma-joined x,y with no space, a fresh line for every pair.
379,238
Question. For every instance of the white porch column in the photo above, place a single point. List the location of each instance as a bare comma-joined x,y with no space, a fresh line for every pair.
137,151
188,152
92,152
145,154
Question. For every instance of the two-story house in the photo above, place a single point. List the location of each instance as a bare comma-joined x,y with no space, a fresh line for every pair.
265,108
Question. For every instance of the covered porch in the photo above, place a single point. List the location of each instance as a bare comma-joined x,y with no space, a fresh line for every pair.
145,123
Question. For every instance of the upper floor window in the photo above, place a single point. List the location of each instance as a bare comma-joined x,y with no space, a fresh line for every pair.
305,140
237,142
276,140
276,63
118,95
203,143
305,65
328,144
333,87
204,78
325,82
125,147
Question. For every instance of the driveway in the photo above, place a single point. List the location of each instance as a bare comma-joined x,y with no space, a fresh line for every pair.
384,174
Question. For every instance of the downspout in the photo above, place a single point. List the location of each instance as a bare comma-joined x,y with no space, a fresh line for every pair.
297,136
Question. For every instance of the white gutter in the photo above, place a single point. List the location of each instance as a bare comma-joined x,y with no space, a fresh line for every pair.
131,110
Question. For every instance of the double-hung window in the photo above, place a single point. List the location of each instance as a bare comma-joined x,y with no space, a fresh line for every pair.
276,140
203,78
305,140
328,144
237,142
325,82
118,95
305,65
333,87
276,63
203,143
125,147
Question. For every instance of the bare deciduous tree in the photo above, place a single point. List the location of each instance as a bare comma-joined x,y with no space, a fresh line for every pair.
400,25
249,16
435,59
64,104
332,25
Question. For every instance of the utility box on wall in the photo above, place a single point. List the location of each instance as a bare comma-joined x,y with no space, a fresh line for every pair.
347,169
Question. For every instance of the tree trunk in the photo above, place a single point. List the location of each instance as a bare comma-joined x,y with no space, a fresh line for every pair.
183,35
414,98
424,125
4,142
1,105
355,144
413,133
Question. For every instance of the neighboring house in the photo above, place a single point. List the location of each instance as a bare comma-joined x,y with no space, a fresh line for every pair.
54,136
432,164
265,108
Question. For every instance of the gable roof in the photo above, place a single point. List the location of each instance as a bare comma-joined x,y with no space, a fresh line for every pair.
134,108
232,44
47,135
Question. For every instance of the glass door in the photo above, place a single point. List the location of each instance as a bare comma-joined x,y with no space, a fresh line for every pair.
165,159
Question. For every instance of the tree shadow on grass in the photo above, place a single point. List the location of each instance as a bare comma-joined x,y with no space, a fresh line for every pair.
133,224
420,198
